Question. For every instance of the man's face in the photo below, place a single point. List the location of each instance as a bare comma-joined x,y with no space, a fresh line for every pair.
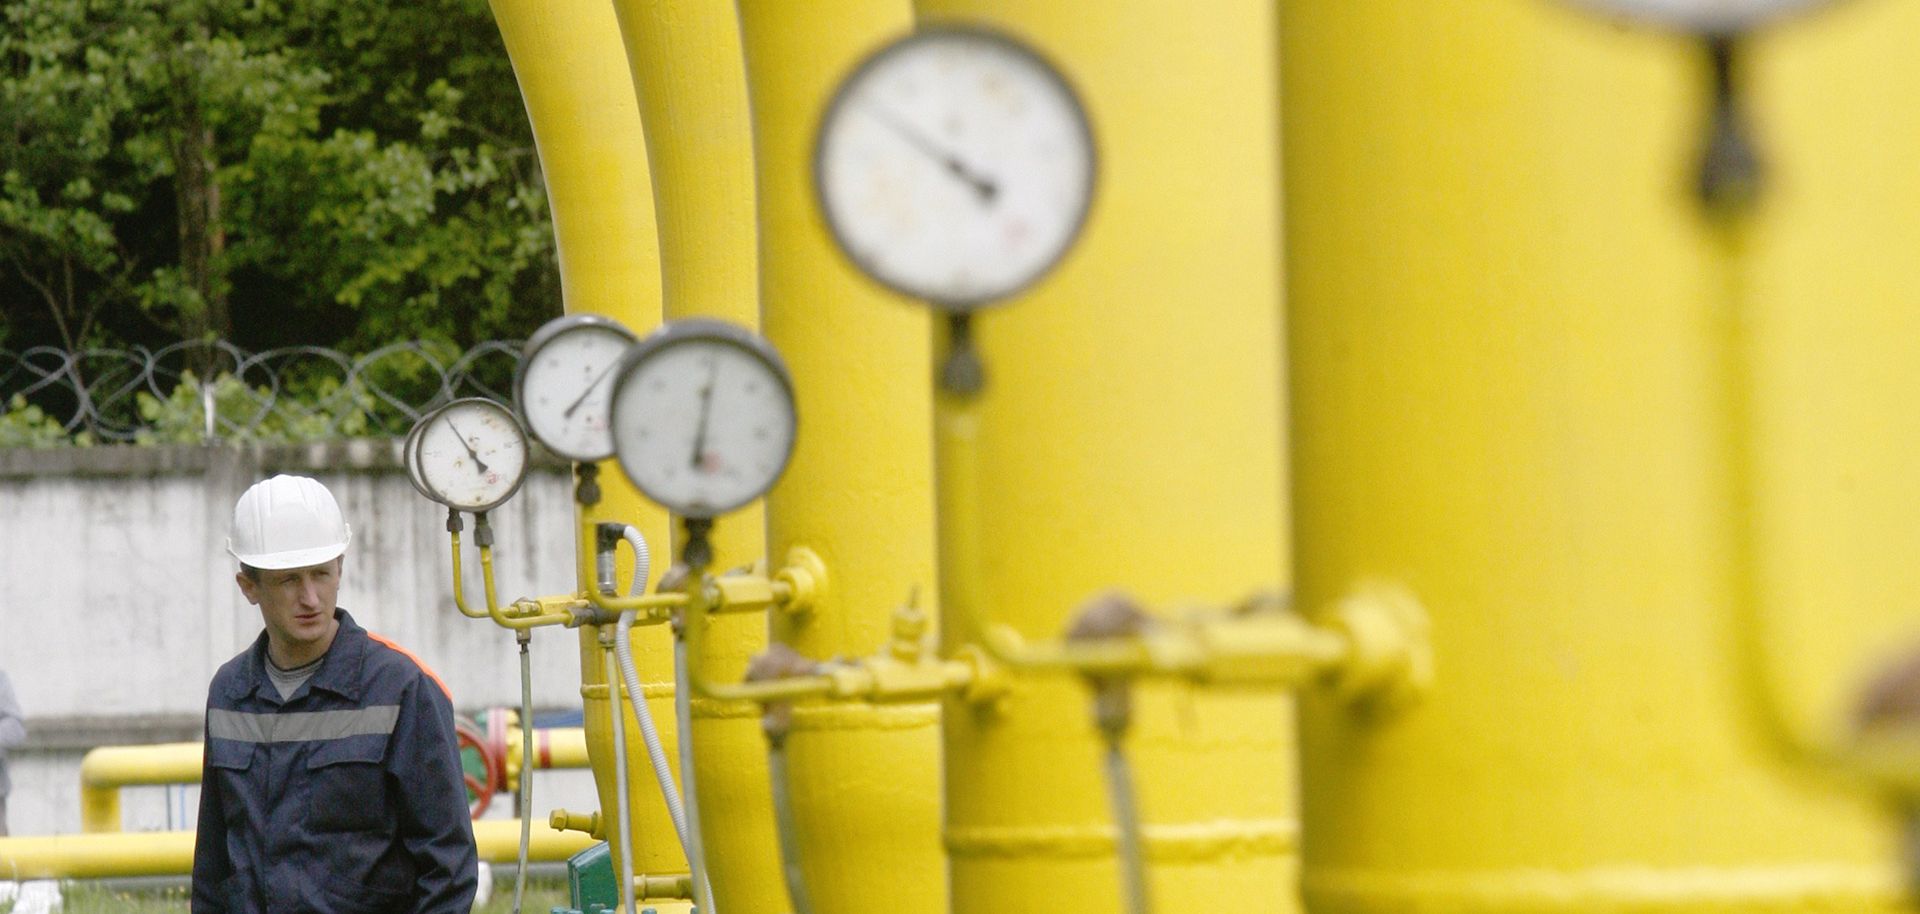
297,606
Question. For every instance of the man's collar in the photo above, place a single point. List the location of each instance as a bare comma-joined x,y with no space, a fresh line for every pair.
339,668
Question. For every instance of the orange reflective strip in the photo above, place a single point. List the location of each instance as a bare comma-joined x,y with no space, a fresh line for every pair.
417,662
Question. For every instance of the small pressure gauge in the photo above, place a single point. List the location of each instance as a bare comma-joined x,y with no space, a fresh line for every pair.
703,417
470,454
1713,17
955,165
564,387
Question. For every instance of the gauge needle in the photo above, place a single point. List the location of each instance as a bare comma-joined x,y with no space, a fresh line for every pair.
981,185
706,410
478,464
583,394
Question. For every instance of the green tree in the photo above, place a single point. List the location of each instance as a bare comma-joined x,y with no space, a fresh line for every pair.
335,172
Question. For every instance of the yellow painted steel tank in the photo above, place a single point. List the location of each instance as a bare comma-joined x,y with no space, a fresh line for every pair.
865,777
1131,435
1517,370
572,70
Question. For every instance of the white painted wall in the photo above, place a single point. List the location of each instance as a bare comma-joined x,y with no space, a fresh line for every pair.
117,600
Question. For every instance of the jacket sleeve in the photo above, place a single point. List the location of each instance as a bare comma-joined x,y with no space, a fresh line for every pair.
210,864
13,730
434,825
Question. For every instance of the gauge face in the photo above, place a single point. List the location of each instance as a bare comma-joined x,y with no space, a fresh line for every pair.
470,454
1710,16
565,384
955,165
703,417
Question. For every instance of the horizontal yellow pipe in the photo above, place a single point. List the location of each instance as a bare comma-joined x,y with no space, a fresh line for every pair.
108,768
170,853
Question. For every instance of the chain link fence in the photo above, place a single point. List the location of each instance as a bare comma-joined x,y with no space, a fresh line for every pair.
193,391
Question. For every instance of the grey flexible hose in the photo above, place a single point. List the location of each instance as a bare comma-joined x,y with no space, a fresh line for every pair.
620,790
630,673
788,829
526,769
683,718
1126,817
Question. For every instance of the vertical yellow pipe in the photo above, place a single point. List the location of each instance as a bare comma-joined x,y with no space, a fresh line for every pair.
865,779
1130,436
1507,334
572,71
685,59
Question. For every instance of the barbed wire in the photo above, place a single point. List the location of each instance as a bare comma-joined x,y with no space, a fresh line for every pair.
217,391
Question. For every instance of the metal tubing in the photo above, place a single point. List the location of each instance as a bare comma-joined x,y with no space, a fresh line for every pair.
460,583
791,849
526,783
621,791
683,718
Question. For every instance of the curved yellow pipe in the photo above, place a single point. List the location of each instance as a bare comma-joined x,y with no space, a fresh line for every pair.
104,770
572,70
685,58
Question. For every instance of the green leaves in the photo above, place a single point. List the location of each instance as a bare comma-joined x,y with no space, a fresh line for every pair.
271,172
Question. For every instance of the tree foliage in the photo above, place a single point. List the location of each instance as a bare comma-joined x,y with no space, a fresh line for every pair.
269,172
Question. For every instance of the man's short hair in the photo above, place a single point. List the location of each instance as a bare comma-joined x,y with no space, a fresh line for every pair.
252,573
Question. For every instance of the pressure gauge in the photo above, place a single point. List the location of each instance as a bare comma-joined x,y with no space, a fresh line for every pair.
470,454
955,165
1714,17
564,387
703,417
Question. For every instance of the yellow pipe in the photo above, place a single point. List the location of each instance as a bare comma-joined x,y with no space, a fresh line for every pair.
117,855
858,354
685,61
460,583
1129,436
106,769
1507,334
572,71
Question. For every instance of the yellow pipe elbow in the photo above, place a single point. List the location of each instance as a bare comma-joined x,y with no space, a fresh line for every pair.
103,771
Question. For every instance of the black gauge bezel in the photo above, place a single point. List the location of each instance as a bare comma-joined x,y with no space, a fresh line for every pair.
548,332
710,330
905,44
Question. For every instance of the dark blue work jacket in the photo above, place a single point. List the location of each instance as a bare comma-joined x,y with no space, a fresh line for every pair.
347,798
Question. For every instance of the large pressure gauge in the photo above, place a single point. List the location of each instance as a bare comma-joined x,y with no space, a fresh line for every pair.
955,165
703,417
1714,17
564,387
470,455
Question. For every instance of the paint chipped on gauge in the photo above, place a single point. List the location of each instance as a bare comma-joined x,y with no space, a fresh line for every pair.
470,455
703,417
564,387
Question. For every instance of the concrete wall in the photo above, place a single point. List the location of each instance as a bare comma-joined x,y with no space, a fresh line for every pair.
117,599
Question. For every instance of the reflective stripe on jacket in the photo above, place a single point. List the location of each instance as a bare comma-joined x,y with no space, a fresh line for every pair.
345,799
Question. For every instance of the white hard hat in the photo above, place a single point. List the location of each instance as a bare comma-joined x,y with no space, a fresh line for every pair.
287,522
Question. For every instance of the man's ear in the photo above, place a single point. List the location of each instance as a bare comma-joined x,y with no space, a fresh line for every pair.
246,587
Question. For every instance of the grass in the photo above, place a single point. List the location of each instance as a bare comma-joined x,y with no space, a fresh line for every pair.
86,898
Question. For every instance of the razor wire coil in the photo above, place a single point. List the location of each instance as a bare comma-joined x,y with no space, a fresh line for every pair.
217,391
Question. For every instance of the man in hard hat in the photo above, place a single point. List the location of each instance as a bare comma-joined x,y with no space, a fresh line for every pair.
332,778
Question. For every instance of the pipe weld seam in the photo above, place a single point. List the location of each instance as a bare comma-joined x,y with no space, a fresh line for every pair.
1184,842
1636,889
652,691
865,716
